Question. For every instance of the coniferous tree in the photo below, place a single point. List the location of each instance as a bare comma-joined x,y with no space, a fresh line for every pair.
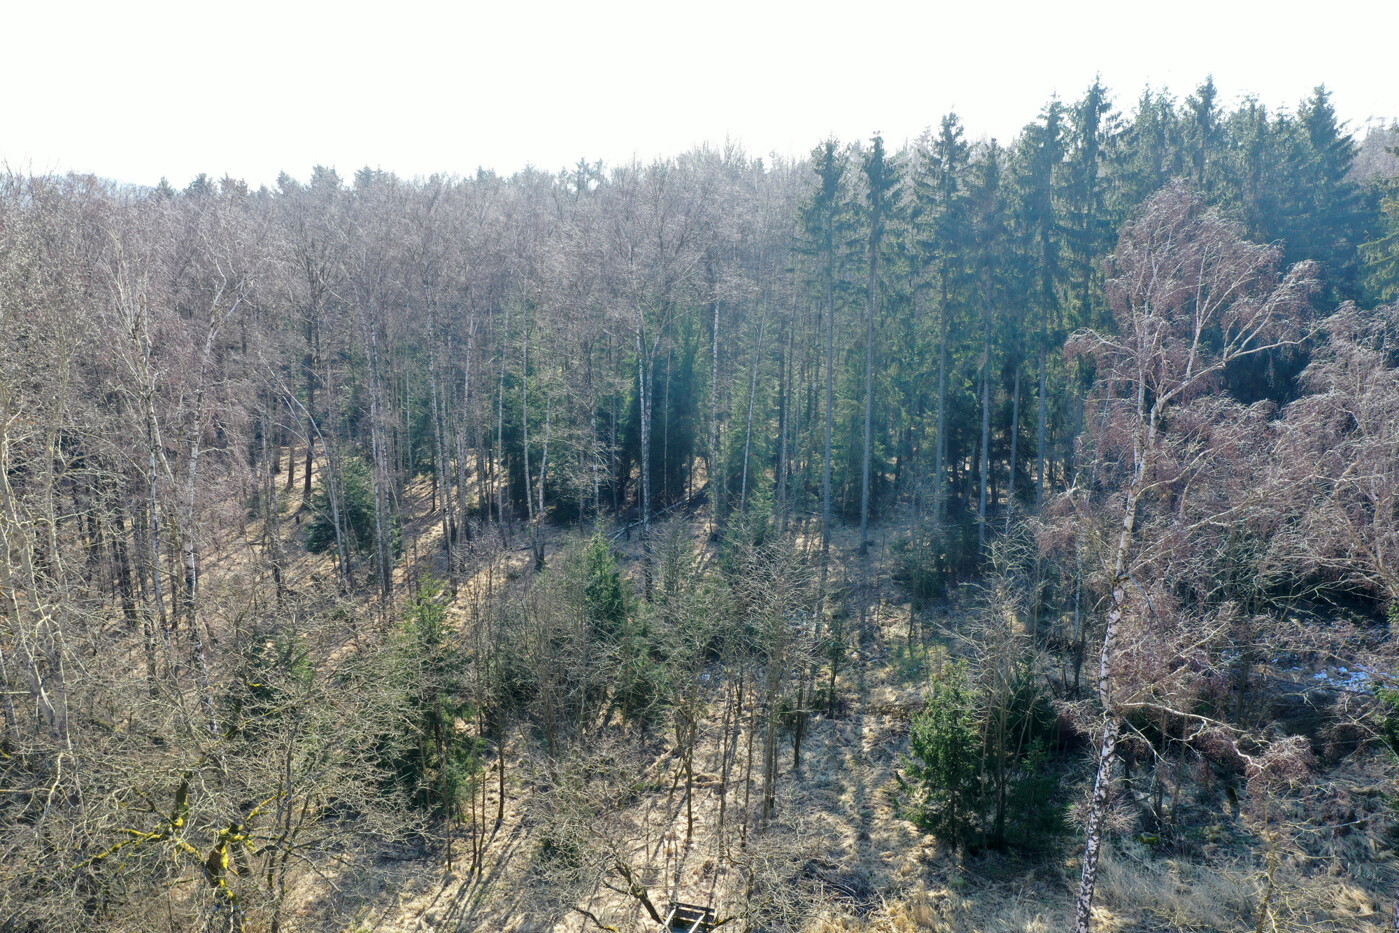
882,178
1088,226
992,282
1333,216
825,227
1204,134
1381,255
943,211
1040,155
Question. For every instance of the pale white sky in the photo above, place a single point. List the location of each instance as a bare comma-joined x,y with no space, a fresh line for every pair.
136,90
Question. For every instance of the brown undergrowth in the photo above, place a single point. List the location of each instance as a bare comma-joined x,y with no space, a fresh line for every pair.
837,848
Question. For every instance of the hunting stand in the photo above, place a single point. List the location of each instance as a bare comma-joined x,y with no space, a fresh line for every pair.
688,918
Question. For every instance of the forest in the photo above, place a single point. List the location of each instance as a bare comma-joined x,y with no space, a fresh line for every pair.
979,535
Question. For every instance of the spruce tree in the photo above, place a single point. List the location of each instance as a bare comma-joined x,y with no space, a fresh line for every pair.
991,240
1089,227
1040,157
1204,133
1334,218
941,205
1381,254
826,230
882,178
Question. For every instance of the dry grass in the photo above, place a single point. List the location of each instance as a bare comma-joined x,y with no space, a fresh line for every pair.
878,872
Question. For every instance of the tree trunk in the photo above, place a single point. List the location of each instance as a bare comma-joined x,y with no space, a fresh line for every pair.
665,434
869,399
291,466
122,563
459,428
498,460
1112,720
1014,441
543,478
939,479
830,425
524,443
985,464
1040,429
308,365
1093,836
643,376
783,426
752,396
379,445
716,466
443,472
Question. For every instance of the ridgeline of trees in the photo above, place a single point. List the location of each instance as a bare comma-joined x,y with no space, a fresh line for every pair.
198,387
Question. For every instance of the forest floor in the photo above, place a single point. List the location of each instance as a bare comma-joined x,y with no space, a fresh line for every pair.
864,868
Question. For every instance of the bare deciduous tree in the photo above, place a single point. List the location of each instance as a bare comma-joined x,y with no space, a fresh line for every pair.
1189,297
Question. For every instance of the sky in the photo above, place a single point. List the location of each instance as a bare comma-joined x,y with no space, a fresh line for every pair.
137,90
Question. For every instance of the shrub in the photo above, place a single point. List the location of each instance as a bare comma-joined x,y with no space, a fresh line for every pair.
1026,810
929,558
604,597
433,761
979,770
942,773
356,512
